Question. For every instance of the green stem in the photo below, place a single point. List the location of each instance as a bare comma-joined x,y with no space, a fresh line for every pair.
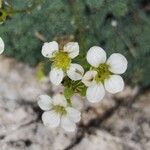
127,43
69,102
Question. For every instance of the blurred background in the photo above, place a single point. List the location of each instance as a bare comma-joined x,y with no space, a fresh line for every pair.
120,122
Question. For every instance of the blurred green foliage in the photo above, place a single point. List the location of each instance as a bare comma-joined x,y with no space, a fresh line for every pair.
90,22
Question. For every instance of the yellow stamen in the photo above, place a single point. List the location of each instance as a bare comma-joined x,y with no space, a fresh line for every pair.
62,60
102,72
60,109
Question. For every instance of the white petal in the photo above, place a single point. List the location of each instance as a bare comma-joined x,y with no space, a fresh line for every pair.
95,93
75,72
51,118
96,56
45,102
89,78
59,99
73,114
56,76
114,84
72,48
2,45
49,49
67,124
118,63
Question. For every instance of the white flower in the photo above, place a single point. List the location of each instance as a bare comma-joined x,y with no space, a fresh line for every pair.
62,61
2,45
58,113
103,74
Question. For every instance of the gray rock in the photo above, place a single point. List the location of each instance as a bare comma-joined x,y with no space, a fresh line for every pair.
104,141
118,122
20,118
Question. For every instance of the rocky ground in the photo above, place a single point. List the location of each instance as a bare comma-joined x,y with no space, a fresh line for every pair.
120,122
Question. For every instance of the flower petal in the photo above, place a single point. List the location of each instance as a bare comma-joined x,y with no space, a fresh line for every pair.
49,49
2,45
96,56
72,48
75,72
114,84
73,114
45,102
67,124
59,99
51,118
89,78
56,76
95,93
118,63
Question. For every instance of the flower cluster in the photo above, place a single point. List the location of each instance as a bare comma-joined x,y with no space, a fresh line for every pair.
1,45
103,74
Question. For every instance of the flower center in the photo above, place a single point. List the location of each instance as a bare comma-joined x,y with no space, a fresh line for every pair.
62,60
60,109
102,73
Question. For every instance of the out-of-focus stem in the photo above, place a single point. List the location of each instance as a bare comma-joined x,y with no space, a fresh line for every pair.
0,3
127,43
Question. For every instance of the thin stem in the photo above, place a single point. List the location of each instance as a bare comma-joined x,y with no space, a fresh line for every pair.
128,44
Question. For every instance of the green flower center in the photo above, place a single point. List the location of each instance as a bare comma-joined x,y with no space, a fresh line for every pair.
60,110
102,73
62,60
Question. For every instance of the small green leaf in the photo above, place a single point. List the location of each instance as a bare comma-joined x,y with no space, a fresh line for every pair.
3,15
83,91
68,92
